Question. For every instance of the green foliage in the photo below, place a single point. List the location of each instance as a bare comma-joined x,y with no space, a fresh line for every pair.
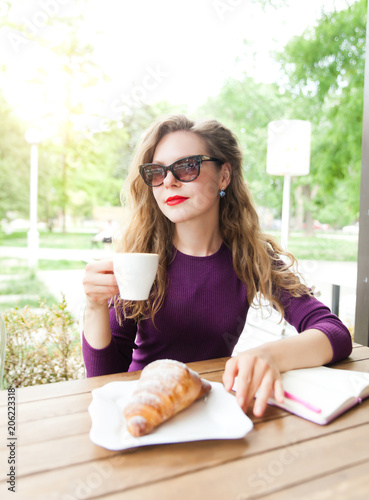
14,163
79,169
246,107
323,83
42,347
329,57
325,70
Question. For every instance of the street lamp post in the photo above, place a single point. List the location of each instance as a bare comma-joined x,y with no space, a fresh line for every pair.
288,155
33,137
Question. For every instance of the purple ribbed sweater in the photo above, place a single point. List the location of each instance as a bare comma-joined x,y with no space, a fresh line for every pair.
202,317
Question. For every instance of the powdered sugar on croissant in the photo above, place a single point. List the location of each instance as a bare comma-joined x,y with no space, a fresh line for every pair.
165,388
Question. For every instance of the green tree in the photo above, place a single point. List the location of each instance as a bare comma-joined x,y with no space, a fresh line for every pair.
14,163
325,75
246,107
71,151
80,73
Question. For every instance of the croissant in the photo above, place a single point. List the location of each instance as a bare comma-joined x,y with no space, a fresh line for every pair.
165,388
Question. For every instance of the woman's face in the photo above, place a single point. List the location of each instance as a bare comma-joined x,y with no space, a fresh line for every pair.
188,201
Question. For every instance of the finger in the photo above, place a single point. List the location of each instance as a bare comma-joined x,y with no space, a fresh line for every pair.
99,279
101,292
244,381
100,266
263,394
278,391
109,291
230,373
261,367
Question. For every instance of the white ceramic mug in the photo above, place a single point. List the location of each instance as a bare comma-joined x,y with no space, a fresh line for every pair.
135,274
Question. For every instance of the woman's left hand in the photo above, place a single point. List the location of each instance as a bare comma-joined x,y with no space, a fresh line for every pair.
255,370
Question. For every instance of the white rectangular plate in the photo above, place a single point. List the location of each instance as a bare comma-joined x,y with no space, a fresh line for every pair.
216,416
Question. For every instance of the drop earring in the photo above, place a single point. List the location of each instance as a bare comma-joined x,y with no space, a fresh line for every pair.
222,193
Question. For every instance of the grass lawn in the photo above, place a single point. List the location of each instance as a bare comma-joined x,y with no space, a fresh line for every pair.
320,247
326,248
23,289
81,241
10,265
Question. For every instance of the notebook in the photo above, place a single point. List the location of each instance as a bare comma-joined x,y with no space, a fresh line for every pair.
322,394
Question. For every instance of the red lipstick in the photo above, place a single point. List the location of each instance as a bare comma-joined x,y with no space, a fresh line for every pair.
175,200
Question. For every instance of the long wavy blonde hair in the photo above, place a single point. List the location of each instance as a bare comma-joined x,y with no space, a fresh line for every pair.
258,259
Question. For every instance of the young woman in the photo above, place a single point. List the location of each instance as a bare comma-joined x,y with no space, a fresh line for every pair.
192,207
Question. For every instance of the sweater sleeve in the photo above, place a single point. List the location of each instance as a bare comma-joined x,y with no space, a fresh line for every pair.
117,356
307,312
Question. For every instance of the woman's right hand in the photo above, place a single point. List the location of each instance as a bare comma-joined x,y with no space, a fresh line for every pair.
99,283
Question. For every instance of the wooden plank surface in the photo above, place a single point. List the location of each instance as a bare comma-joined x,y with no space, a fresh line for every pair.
336,486
78,457
264,473
54,450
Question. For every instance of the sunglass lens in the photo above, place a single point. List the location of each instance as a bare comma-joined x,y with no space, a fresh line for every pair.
187,169
154,175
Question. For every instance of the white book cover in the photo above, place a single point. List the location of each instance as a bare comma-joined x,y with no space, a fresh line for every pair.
321,394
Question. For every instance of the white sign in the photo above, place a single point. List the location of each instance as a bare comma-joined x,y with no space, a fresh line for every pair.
289,147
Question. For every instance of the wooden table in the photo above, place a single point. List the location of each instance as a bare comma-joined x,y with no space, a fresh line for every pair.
283,457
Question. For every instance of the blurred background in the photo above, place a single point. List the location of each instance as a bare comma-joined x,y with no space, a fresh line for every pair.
90,76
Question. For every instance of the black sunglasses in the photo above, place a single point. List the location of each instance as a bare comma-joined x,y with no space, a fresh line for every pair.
184,170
